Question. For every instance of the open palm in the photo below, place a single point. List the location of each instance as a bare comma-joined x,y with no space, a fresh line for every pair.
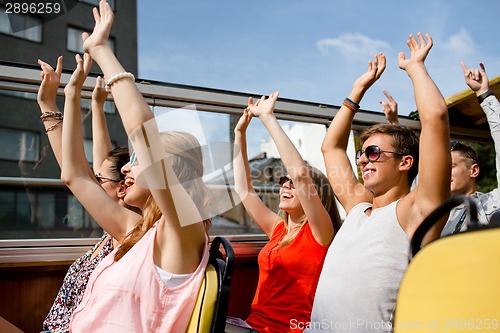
103,22
263,105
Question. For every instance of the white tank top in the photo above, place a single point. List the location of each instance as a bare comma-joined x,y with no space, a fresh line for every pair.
362,272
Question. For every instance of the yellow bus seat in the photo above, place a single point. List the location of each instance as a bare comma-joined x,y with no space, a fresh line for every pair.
453,283
210,311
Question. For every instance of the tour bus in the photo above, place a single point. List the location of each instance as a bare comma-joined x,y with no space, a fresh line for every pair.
43,228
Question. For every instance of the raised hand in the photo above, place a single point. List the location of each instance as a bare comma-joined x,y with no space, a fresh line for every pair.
418,51
50,83
475,78
103,21
81,72
245,119
263,106
99,94
390,108
375,70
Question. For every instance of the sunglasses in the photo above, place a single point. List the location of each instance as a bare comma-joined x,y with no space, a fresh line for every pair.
372,153
133,159
101,179
283,180
460,146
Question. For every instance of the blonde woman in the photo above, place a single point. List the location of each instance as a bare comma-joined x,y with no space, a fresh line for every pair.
150,281
309,220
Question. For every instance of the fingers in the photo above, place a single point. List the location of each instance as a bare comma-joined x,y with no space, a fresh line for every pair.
401,56
423,42
97,17
85,35
47,70
247,114
45,67
87,63
389,97
381,60
464,68
106,11
483,69
59,66
412,42
99,83
274,95
79,62
429,40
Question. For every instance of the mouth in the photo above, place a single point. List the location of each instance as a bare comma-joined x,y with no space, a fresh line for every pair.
368,172
286,196
128,182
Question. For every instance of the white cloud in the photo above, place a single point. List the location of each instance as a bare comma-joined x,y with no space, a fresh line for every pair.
460,43
353,45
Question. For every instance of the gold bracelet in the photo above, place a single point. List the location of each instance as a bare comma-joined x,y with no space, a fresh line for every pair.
53,126
46,115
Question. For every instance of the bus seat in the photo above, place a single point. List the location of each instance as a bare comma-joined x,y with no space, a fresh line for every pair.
453,283
210,311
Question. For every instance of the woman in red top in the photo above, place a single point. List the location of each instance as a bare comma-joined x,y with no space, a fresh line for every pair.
291,262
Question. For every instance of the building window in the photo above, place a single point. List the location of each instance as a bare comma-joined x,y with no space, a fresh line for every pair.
30,27
75,42
88,148
19,145
96,3
109,106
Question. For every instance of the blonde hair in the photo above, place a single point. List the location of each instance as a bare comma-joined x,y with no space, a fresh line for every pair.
325,193
187,163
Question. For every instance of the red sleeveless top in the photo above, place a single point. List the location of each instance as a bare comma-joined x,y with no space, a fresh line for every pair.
288,277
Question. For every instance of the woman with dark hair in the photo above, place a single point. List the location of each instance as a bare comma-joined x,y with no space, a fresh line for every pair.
107,165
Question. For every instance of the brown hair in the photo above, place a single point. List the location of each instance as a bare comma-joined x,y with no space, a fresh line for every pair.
187,163
465,151
118,157
325,193
403,139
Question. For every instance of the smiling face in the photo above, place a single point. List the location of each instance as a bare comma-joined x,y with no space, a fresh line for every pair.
289,200
135,195
380,175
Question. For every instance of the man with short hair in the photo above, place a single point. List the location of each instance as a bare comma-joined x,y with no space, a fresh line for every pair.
366,261
465,167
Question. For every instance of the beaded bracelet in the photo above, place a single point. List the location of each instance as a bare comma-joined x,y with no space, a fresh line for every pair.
118,77
53,126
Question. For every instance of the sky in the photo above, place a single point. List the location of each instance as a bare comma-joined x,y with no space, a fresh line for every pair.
313,50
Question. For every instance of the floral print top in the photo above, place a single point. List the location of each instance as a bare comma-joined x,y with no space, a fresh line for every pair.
73,287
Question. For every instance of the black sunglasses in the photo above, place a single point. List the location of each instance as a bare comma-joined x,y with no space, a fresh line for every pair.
458,145
283,180
372,153
101,179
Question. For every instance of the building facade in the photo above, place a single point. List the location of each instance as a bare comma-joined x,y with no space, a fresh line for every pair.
33,201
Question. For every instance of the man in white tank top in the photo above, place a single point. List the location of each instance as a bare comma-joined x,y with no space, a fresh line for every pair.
364,266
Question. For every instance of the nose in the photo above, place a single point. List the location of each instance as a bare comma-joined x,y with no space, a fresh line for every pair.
125,169
362,160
